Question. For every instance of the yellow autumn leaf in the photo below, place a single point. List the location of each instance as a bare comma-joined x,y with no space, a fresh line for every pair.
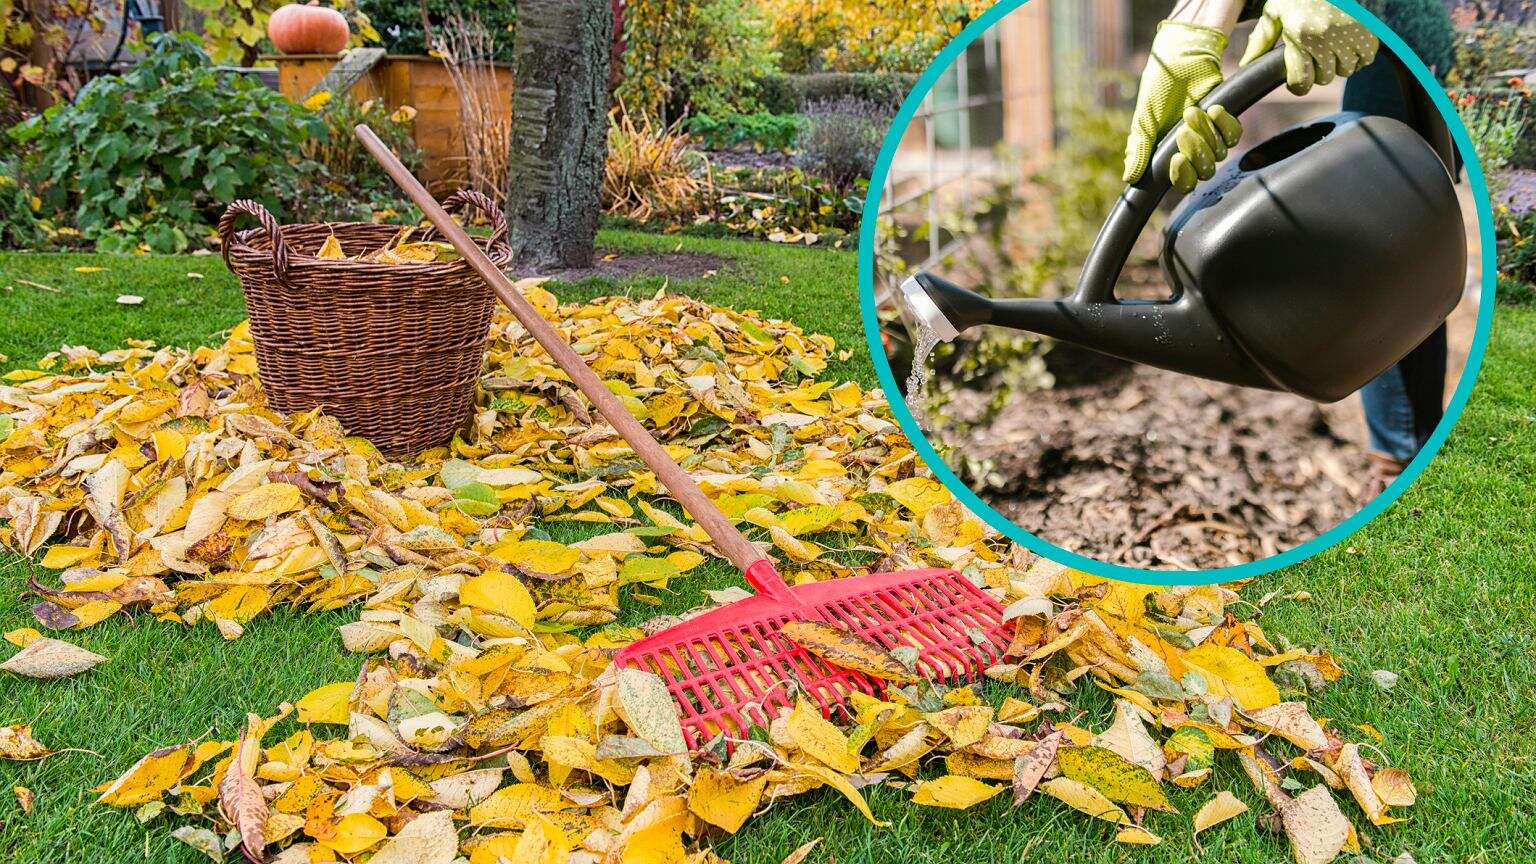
1218,810
149,778
958,793
1135,835
62,557
1394,787
540,556
722,800
1083,798
266,500
1229,672
918,494
354,833
820,739
326,704
499,592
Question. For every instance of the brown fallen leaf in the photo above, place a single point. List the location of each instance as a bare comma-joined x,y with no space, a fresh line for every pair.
240,800
17,744
1029,768
841,648
1317,828
51,658
24,798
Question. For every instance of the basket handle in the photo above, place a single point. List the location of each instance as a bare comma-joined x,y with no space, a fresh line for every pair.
465,199
247,207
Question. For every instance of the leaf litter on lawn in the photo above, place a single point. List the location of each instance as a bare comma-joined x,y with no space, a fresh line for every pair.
486,719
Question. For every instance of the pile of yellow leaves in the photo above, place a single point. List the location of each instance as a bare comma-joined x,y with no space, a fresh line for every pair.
487,720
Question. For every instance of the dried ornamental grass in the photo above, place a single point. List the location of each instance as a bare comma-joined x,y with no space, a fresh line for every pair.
482,723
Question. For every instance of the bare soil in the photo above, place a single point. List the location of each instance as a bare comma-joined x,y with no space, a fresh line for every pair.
1158,470
1155,469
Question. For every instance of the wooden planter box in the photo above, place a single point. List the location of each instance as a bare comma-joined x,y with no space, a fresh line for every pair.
399,79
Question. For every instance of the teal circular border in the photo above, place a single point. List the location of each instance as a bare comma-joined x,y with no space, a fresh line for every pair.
1295,555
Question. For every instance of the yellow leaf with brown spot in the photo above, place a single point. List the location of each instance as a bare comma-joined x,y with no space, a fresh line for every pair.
1394,787
354,833
540,556
963,725
149,778
954,792
842,648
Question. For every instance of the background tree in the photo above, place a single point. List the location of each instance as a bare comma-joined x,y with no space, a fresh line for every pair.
562,55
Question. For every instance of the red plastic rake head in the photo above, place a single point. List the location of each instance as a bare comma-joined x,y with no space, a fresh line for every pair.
730,668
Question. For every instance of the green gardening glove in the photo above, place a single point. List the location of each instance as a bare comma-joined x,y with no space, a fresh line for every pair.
1184,66
1321,41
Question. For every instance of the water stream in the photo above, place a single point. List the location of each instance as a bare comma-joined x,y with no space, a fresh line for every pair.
917,379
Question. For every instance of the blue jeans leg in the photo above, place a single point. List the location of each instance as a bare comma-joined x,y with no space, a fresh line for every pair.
1389,415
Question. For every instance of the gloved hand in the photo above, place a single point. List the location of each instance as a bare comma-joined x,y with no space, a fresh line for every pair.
1185,65
1321,41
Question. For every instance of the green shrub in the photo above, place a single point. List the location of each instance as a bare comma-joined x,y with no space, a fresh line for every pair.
1515,234
1513,292
1495,122
398,22
20,227
687,57
1425,25
150,158
786,205
347,183
760,131
841,139
787,94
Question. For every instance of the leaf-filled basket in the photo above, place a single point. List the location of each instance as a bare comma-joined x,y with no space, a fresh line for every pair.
392,350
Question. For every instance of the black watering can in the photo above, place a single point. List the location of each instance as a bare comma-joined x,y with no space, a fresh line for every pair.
1310,265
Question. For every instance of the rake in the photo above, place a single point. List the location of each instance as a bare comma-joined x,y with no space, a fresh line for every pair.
732,668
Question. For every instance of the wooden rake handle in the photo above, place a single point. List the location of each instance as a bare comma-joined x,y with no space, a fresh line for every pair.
736,547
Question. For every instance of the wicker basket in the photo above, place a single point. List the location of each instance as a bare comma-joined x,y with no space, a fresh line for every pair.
393,351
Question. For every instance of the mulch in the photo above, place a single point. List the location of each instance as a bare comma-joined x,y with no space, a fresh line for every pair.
1154,469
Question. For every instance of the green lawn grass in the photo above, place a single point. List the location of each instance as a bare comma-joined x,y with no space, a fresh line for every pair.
1438,590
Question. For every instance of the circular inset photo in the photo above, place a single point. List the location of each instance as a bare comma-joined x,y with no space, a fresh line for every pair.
1178,294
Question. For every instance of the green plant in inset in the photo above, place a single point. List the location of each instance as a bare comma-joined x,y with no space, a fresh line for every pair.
759,131
1486,49
148,159
1496,123
684,57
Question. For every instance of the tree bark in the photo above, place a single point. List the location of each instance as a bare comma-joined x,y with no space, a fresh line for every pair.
561,61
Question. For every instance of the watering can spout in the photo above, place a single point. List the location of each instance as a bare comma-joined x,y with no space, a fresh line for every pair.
1175,334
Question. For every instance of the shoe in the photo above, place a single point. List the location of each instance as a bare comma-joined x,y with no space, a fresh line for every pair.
1383,470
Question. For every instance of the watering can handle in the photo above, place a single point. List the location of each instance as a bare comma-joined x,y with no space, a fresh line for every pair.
1237,94
1140,199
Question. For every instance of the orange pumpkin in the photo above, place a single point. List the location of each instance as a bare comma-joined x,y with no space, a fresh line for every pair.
308,29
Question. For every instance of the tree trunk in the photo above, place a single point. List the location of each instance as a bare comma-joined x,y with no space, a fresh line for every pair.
561,58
